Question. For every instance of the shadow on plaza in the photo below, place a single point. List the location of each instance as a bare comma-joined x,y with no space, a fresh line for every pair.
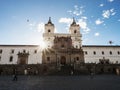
81,82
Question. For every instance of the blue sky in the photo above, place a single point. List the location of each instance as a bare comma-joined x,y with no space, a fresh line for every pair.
22,21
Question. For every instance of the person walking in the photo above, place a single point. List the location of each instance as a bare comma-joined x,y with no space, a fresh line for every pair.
15,75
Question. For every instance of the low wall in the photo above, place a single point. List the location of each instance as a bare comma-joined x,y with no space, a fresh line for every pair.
33,69
47,69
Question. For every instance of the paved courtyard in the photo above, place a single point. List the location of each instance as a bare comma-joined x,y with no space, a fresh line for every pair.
98,82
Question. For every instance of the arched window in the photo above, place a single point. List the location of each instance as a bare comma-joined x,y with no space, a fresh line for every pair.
11,59
77,58
118,53
49,31
48,59
0,50
102,52
75,31
94,53
86,52
12,51
110,52
24,51
35,51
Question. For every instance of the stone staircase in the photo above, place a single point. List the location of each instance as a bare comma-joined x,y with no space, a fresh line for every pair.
64,70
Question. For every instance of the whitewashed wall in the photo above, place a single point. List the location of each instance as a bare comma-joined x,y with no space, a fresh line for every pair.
91,57
33,58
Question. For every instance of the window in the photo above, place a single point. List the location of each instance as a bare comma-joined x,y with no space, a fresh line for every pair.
110,52
118,53
76,46
48,58
49,30
0,51
77,58
75,31
94,53
12,51
24,51
35,51
11,59
62,46
102,52
86,52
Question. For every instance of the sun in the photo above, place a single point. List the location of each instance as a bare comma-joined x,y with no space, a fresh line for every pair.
42,45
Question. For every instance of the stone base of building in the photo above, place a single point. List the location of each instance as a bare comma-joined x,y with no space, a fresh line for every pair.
52,69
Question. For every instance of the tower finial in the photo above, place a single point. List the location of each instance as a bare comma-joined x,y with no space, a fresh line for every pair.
49,21
74,22
73,19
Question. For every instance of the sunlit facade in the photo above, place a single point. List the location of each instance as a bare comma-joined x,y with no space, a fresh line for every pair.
60,49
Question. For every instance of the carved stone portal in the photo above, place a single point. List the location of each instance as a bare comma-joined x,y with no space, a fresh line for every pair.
23,58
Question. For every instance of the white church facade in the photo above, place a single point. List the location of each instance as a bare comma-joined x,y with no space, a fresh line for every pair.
66,43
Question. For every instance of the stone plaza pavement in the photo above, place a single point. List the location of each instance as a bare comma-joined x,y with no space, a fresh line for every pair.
82,82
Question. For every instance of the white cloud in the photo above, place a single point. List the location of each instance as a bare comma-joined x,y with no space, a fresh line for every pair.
32,24
110,0
56,30
85,40
77,10
112,10
76,13
104,24
40,27
82,21
97,34
83,24
113,13
76,7
83,17
65,20
101,5
119,20
98,22
108,13
86,30
37,26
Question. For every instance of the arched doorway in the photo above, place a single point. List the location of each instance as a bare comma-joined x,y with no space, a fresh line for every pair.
63,60
23,58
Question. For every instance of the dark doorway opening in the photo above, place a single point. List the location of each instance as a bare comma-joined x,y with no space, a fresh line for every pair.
63,60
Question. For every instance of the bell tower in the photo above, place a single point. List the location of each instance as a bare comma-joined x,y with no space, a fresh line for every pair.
49,27
75,34
74,28
48,34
